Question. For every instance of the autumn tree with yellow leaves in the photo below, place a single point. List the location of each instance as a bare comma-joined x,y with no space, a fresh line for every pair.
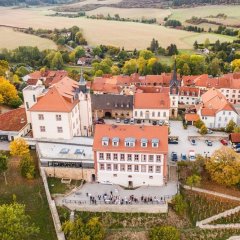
19,147
224,167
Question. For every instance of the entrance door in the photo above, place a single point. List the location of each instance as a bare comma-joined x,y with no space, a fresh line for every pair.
93,178
130,184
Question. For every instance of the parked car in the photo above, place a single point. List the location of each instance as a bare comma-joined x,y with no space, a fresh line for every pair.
154,123
139,121
237,150
236,146
224,142
126,120
208,142
174,156
172,140
99,121
132,121
183,157
160,122
209,131
192,155
166,123
118,120
193,142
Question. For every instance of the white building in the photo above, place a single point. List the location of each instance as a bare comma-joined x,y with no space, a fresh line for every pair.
62,112
188,96
14,124
215,110
131,155
151,106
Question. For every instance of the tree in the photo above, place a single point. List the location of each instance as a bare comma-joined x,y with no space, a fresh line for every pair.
154,45
115,70
223,166
8,93
4,67
179,205
78,230
57,61
186,69
15,224
130,67
230,126
146,54
19,147
22,71
142,65
3,166
207,43
235,64
236,129
195,45
99,73
172,50
214,68
199,123
164,233
79,52
27,166
193,181
203,130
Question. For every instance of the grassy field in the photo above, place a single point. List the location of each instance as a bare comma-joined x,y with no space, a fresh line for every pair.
128,34
32,194
11,39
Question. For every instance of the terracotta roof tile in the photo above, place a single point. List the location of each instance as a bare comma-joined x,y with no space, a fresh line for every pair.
13,120
191,117
131,131
235,137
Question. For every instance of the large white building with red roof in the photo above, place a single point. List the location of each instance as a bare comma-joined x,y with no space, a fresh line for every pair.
131,155
60,112
215,110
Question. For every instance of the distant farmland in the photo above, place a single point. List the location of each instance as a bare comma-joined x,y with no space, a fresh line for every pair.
11,39
122,34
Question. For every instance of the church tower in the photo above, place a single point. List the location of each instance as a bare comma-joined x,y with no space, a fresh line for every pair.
85,108
174,89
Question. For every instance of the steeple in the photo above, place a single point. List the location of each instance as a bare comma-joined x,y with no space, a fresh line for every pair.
174,83
82,83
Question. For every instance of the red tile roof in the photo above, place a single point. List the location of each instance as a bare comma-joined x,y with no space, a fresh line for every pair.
131,131
150,89
32,81
189,91
191,117
235,137
152,101
59,98
13,120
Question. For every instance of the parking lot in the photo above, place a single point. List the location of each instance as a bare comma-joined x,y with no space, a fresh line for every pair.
184,145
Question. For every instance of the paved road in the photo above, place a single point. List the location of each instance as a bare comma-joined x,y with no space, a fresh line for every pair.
4,146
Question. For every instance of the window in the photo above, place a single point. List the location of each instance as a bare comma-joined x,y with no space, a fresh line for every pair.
159,114
164,114
102,166
115,142
150,169
122,167
154,145
229,113
150,158
158,158
153,114
42,129
143,168
115,156
144,144
144,158
27,105
136,168
220,118
226,119
58,117
101,156
122,157
141,114
59,129
136,114
233,96
40,117
34,98
129,157
109,167
223,112
108,157
129,144
115,167
158,169
129,168
136,158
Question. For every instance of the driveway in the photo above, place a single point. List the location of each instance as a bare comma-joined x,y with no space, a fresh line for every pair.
184,144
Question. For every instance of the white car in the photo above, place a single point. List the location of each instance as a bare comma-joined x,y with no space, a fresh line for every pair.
132,121
118,120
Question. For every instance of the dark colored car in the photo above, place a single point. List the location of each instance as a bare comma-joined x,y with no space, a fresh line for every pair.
183,156
139,121
126,121
224,142
208,142
154,123
99,121
174,156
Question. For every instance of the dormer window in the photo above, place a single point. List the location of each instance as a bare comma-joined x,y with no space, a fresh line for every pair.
115,141
155,142
105,141
130,142
144,142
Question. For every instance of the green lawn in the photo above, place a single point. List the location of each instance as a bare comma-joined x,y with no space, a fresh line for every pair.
32,194
76,68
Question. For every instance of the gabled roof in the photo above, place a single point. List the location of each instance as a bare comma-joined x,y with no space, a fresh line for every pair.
13,120
191,117
152,101
133,132
235,137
